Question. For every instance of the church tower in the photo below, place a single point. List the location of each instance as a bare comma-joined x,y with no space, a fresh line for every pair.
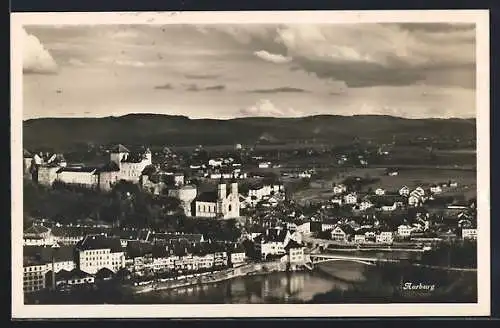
118,153
221,197
234,186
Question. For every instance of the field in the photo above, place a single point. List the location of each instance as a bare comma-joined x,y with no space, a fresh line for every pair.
411,177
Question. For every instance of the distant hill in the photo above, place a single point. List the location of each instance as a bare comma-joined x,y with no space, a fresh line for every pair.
155,129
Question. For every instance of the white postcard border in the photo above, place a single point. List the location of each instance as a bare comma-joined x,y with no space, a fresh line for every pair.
482,308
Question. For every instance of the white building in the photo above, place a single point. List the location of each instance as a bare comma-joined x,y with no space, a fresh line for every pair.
87,177
385,237
238,255
379,192
37,261
96,252
404,191
264,165
435,189
404,231
295,252
47,174
469,233
272,242
337,200
219,204
339,189
124,165
364,205
351,198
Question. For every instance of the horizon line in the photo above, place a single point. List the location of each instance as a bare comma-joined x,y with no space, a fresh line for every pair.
249,117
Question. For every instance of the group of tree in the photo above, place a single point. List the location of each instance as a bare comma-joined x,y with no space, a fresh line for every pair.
125,205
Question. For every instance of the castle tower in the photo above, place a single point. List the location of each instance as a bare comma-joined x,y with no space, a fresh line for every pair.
148,156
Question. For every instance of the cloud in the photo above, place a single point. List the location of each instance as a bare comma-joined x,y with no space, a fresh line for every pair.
382,54
279,90
36,59
219,87
167,86
196,88
76,62
273,58
265,108
201,76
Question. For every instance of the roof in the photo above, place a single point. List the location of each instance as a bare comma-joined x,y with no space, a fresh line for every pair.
26,153
37,255
207,196
169,237
109,167
104,273
92,242
138,248
119,149
293,244
77,231
346,228
36,230
134,158
69,275
85,169
272,235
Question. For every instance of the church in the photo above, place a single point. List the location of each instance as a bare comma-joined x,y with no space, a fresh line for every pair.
223,203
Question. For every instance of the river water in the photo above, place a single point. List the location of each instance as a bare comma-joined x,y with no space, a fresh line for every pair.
278,287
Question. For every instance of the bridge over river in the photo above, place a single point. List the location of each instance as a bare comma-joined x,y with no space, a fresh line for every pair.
313,259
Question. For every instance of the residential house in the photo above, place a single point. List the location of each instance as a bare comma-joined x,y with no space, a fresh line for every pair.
342,233
95,252
238,255
272,243
337,200
404,231
351,198
379,192
38,235
364,205
310,227
38,260
385,237
295,252
436,189
339,189
469,233
75,277
404,191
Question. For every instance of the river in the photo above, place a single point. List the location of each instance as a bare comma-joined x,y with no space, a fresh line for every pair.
278,287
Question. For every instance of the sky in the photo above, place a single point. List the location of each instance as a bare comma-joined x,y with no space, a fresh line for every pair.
413,70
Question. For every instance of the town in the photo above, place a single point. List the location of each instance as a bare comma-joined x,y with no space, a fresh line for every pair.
158,218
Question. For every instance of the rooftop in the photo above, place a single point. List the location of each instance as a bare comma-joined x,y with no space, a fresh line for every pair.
92,242
38,255
119,149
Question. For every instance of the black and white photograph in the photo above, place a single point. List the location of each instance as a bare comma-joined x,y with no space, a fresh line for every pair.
279,164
